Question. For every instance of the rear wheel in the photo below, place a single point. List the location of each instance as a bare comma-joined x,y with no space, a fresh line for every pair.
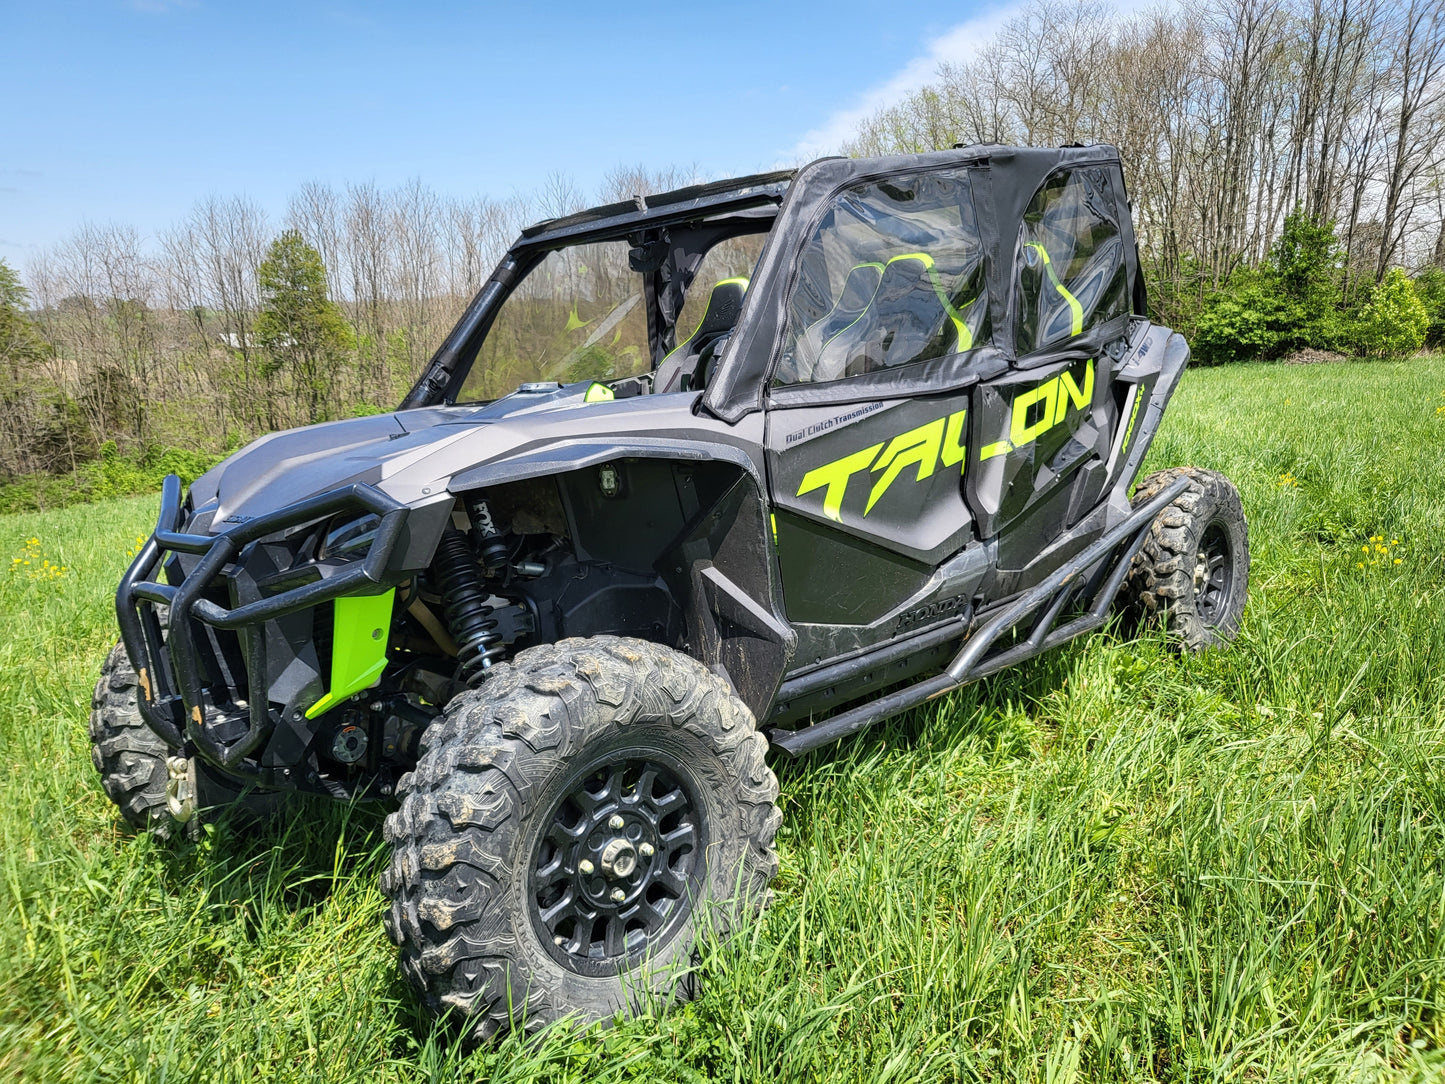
566,829
1192,572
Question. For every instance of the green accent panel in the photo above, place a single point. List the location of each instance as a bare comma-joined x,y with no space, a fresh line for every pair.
1133,417
1078,310
358,647
598,393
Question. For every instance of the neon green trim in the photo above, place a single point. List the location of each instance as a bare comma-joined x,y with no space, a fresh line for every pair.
1133,417
1078,310
960,327
742,279
1057,396
774,517
939,441
835,477
358,647
598,393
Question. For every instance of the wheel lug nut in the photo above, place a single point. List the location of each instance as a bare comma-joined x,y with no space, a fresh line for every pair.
645,850
618,895
614,822
585,866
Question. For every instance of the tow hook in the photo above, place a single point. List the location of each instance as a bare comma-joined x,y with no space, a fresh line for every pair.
180,793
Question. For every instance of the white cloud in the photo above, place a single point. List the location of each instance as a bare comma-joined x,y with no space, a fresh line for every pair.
955,46
959,44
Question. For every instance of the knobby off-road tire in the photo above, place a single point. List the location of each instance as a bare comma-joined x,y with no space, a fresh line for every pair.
569,829
130,757
147,781
1192,572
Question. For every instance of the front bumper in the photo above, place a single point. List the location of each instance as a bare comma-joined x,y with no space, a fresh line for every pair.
169,658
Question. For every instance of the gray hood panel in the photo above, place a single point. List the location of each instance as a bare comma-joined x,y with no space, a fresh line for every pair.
413,455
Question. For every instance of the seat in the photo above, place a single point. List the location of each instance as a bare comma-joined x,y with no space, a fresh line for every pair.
859,286
684,369
910,317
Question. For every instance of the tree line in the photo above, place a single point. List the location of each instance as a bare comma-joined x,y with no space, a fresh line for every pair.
1284,160
229,324
1247,128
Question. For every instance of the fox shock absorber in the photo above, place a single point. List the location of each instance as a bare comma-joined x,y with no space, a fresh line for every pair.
491,547
464,602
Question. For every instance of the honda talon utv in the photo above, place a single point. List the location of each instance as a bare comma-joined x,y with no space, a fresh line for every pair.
752,463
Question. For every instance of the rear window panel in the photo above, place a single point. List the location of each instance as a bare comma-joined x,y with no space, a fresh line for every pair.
1071,268
894,274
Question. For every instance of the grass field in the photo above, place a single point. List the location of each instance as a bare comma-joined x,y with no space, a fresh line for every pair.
1109,864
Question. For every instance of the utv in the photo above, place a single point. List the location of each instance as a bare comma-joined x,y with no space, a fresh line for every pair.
751,463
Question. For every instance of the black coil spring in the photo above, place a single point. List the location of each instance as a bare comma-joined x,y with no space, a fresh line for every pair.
464,601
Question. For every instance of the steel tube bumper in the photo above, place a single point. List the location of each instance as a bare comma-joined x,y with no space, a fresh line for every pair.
172,700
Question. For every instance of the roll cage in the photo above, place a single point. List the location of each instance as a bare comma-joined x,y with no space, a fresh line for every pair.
671,233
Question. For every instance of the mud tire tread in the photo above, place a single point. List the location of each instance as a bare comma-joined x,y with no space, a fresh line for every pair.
130,757
1160,584
454,901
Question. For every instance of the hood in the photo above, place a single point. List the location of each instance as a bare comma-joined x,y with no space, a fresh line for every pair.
383,450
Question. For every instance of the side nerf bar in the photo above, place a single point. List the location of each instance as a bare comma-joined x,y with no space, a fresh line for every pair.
973,662
172,700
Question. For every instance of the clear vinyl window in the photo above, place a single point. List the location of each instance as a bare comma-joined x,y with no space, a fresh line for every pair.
578,315
894,274
1071,268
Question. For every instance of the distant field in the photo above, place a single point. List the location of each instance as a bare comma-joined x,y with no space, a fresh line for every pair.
1109,864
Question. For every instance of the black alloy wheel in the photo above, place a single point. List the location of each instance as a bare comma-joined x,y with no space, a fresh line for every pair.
615,873
571,829
1213,575
1192,573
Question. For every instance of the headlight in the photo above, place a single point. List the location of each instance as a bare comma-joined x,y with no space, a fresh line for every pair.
351,537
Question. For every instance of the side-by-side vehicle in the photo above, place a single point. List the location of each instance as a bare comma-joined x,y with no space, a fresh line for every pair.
748,465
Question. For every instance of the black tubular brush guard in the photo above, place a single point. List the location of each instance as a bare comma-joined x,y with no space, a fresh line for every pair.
974,661
176,711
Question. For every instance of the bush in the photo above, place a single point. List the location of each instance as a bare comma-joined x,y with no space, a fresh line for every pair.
112,474
1291,303
1245,321
1430,289
1395,321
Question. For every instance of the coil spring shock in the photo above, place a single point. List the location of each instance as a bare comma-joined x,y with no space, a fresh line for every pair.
464,602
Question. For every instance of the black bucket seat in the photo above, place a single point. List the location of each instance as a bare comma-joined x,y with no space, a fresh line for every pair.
910,317
686,367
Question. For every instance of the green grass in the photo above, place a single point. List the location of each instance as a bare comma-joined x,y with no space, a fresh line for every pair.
1111,863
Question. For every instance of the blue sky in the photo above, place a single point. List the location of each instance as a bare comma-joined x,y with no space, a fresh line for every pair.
131,110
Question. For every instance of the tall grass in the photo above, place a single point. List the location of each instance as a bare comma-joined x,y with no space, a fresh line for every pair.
1112,863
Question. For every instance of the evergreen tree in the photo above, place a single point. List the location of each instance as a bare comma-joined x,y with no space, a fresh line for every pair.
20,341
299,326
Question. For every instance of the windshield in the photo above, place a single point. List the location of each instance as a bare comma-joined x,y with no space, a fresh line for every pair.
578,315
581,313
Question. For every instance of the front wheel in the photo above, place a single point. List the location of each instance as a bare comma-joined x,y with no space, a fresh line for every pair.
569,830
1192,572
156,788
